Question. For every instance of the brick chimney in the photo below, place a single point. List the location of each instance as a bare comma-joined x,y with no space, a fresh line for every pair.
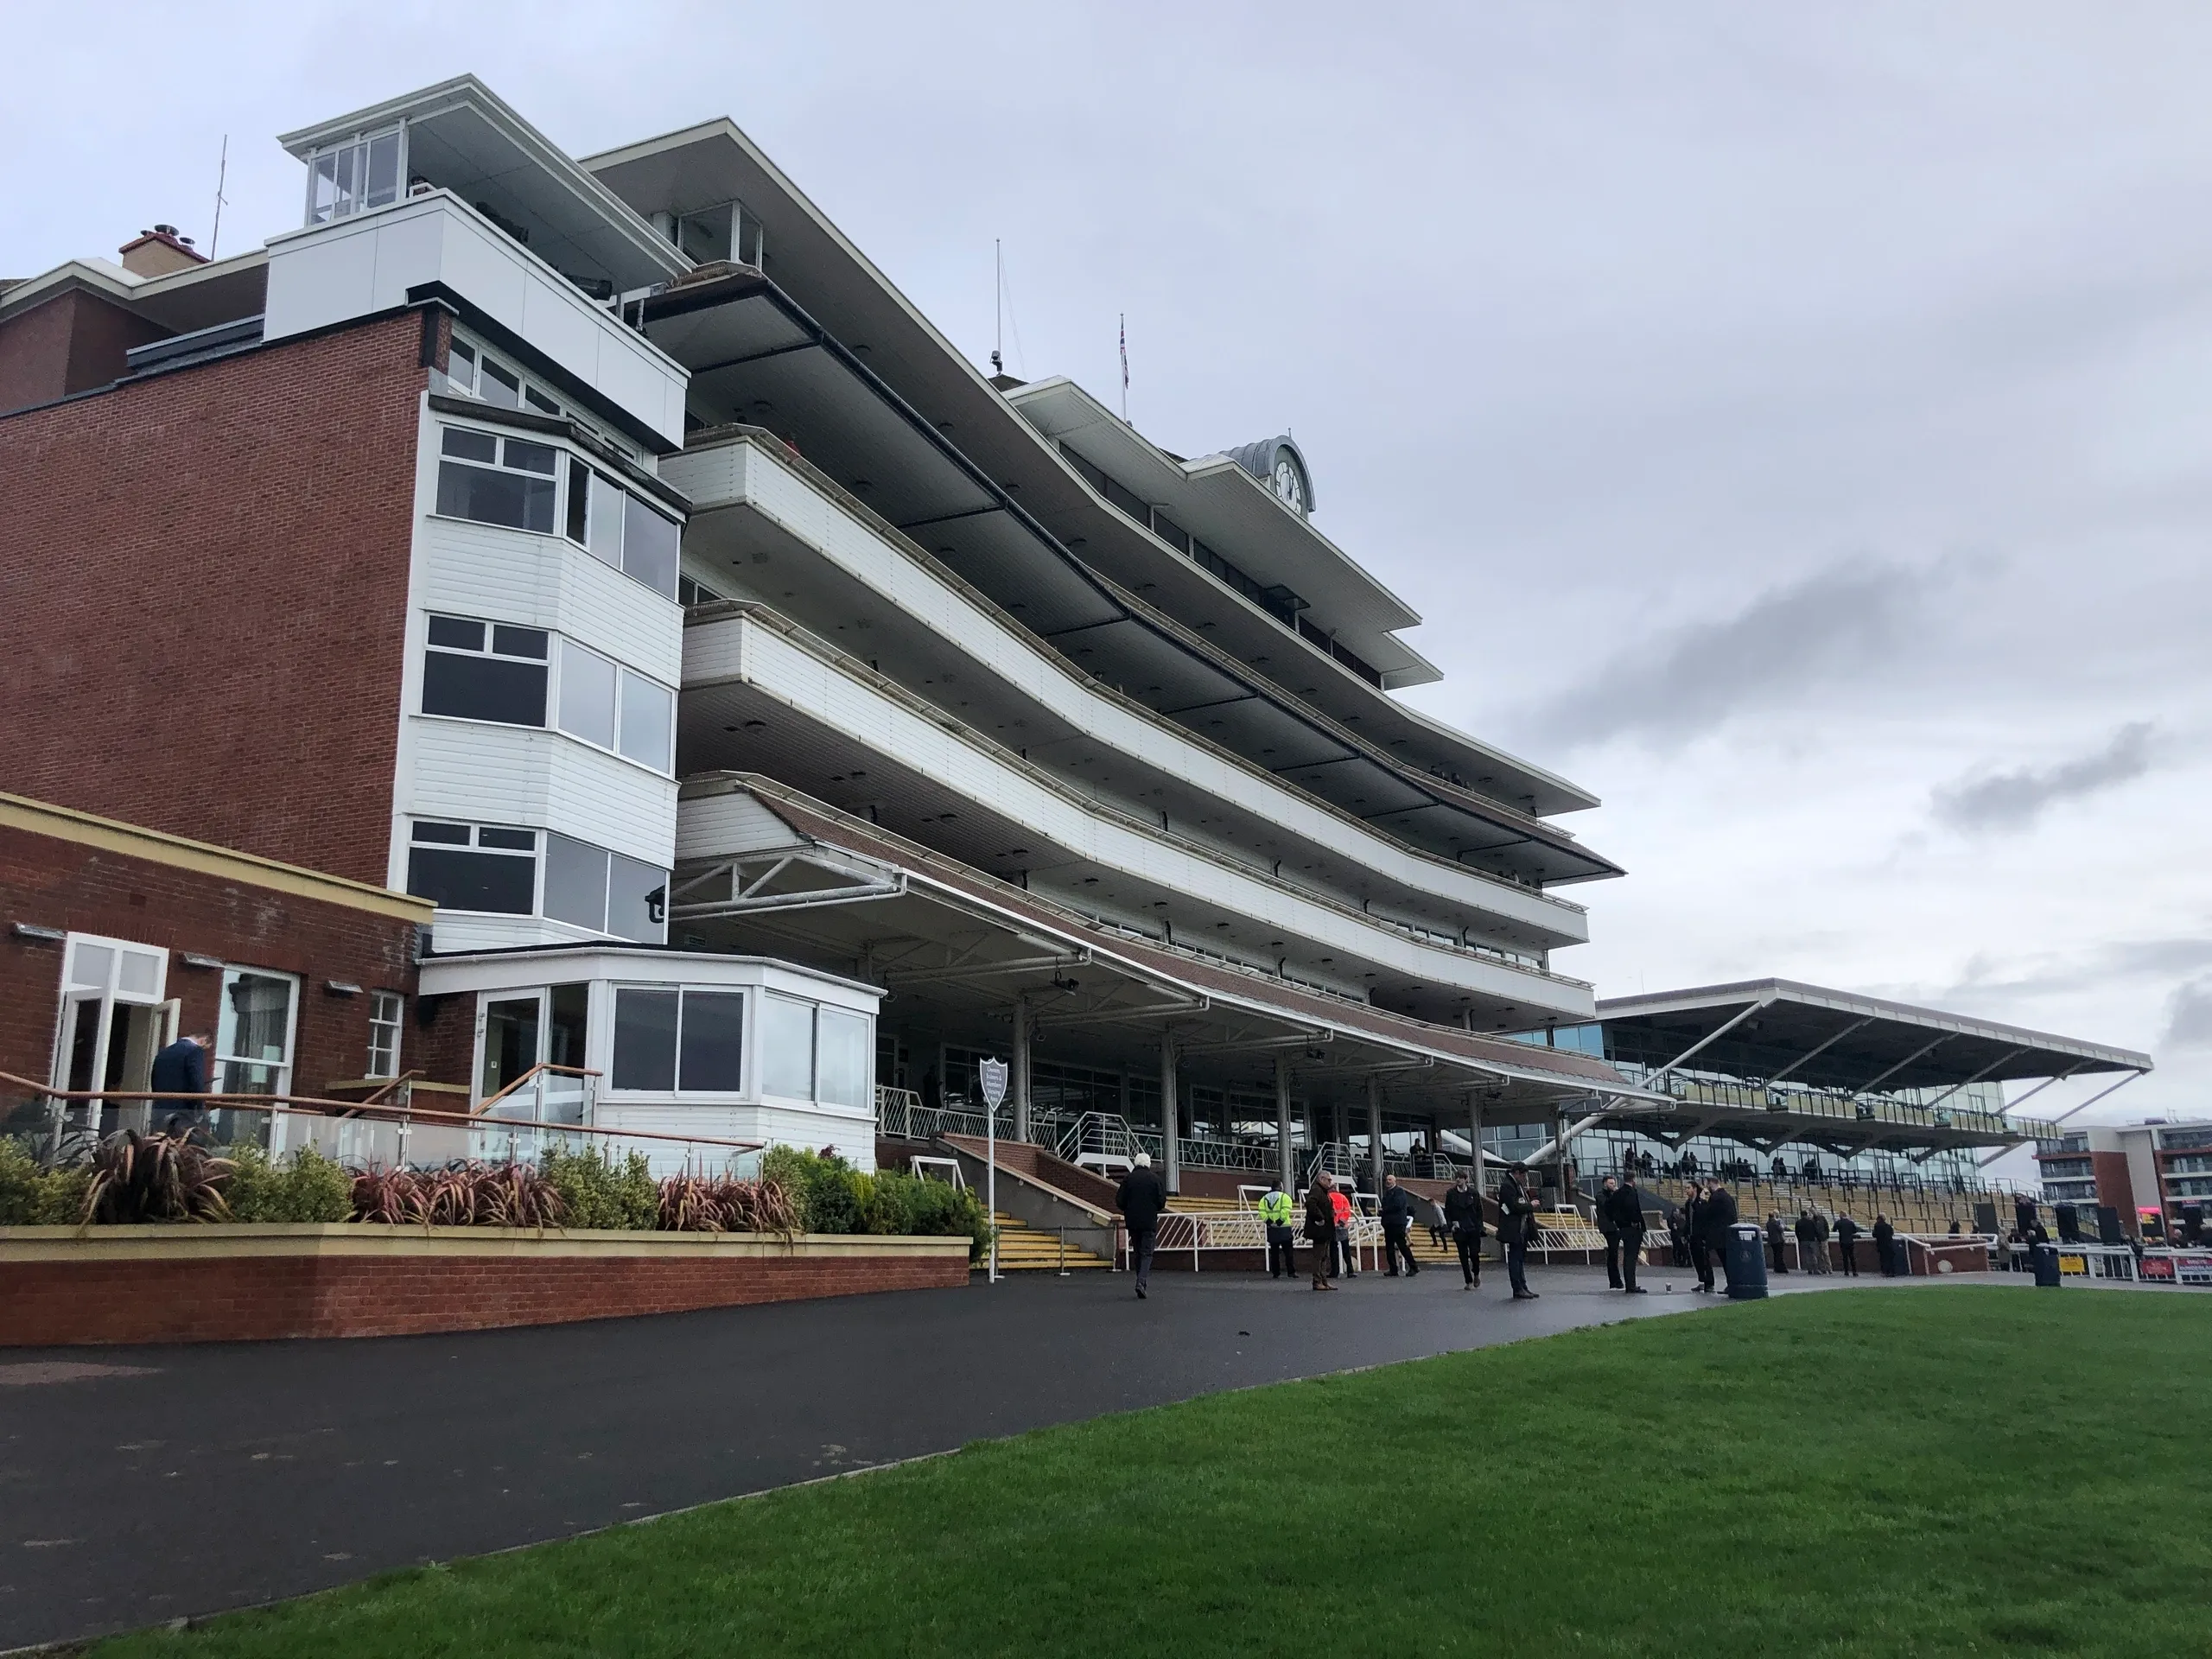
159,251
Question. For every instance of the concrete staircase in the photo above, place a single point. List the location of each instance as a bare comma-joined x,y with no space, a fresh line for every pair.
1025,1248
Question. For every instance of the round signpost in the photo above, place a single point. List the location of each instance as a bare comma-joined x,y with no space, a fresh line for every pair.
992,1075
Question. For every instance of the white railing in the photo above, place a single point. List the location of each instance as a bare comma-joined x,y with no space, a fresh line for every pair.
1101,1137
1194,1233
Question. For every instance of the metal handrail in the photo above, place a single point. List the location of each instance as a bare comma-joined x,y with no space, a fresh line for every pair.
323,1107
543,1065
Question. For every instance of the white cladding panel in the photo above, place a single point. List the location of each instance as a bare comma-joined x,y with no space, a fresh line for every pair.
547,582
368,262
845,703
731,472
480,774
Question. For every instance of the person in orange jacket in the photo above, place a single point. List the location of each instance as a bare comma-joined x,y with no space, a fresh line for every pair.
1342,1204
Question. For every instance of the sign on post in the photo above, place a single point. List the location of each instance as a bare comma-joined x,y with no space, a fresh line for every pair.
991,1074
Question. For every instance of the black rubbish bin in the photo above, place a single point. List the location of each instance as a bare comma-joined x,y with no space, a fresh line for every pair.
1746,1262
2046,1260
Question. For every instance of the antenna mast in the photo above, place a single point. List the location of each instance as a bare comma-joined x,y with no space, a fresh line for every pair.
222,173
998,307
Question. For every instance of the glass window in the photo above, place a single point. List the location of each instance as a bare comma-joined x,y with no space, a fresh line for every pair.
495,870
511,1034
637,901
499,385
254,1036
504,682
845,1054
576,882
351,177
587,682
578,526
644,1039
711,1053
568,1008
689,592
649,547
518,491
385,1008
786,1048
607,509
648,711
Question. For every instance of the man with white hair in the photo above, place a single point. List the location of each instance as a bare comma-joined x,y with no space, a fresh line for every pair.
1140,1199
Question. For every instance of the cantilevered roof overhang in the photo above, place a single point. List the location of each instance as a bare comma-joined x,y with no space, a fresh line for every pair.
462,136
762,866
1769,1030
702,166
876,451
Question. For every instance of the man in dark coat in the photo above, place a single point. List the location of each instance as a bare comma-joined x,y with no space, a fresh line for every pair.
181,1068
1693,1230
1846,1245
1885,1246
1516,1228
1627,1205
1321,1229
1602,1213
1777,1241
1397,1214
1463,1213
1141,1198
1719,1220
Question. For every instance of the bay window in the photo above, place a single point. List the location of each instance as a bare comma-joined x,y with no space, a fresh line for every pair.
495,481
686,1040
484,670
474,866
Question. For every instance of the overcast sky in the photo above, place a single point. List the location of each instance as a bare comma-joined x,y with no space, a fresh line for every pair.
1794,422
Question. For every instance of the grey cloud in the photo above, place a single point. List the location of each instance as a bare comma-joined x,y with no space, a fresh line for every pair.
2013,800
1993,987
2189,1016
1689,679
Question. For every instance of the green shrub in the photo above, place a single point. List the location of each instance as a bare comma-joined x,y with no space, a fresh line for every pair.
598,1190
305,1187
835,1197
33,1196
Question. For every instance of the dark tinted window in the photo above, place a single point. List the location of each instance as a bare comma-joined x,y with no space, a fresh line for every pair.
484,688
460,880
644,1040
637,901
714,1033
514,499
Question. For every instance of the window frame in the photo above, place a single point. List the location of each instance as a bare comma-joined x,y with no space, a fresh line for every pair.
500,466
475,846
226,1031
559,646
749,997
387,1014
361,143
490,651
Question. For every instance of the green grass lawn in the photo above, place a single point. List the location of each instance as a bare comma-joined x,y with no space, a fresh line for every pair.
1938,1470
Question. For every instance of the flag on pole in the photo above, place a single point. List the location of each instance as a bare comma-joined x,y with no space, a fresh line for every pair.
1125,365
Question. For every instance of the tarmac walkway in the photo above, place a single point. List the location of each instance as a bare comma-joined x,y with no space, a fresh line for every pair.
141,1484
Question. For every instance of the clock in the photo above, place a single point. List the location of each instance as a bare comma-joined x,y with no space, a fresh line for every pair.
1290,486
1278,467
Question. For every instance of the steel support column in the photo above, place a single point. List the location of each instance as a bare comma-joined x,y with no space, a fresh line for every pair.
1375,1130
1019,1082
1283,1157
1170,1116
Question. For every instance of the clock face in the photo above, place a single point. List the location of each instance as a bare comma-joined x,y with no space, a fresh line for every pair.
1290,488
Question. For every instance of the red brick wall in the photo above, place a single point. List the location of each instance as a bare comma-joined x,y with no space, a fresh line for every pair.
2116,1187
205,575
72,342
253,1298
54,883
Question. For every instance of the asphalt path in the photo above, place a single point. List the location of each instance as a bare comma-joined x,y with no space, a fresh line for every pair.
143,1485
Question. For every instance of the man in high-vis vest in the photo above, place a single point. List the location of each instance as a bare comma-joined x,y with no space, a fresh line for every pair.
1275,1213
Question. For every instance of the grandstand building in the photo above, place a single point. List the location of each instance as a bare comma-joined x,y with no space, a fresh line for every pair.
1817,1097
777,714
2151,1179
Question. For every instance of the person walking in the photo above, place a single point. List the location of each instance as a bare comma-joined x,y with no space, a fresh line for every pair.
1141,1197
1777,1241
1602,1212
1439,1224
1517,1227
1463,1213
1719,1226
1694,1211
1397,1225
1276,1211
1885,1246
181,1068
1340,1202
1847,1244
1321,1229
1627,1205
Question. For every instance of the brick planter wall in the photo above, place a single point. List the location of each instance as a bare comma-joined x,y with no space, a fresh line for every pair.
60,1287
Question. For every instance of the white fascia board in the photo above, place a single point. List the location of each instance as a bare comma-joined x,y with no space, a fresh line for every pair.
443,975
857,707
745,473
